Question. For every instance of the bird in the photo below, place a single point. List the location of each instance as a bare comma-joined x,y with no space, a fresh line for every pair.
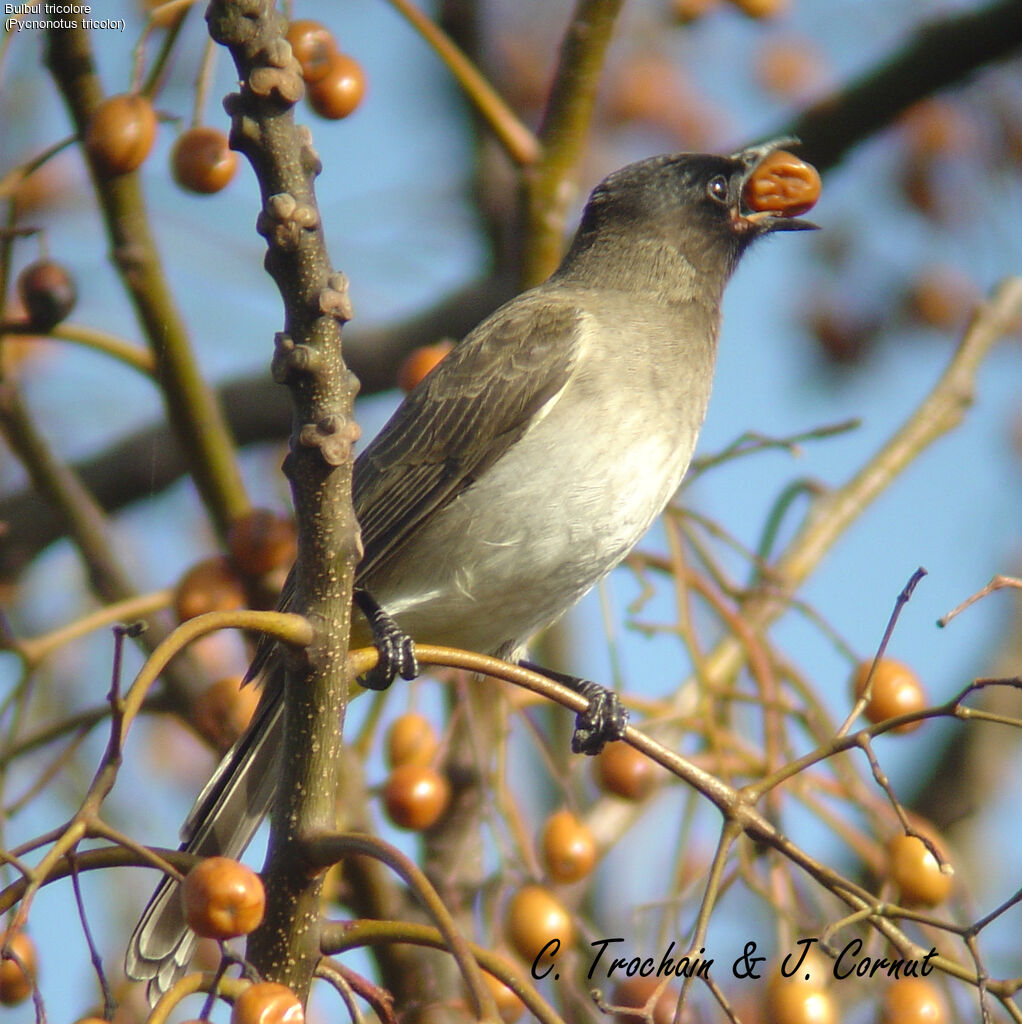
521,470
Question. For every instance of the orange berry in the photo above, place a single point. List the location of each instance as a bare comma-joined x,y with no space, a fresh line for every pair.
267,1002
919,188
415,796
636,992
202,160
913,1001
313,45
223,710
339,92
536,922
814,967
916,872
48,293
783,184
120,133
18,979
411,739
261,541
624,771
509,1006
645,88
942,297
569,847
419,363
222,898
46,188
208,586
796,1001
789,68
936,127
844,338
896,691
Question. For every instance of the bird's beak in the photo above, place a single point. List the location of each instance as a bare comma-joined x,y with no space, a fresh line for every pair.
763,221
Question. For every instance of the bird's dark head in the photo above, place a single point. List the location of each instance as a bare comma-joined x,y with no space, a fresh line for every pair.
691,205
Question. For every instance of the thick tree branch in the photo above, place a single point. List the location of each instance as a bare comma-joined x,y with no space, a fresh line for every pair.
308,360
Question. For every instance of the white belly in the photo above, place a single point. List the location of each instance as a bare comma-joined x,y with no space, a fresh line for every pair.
517,548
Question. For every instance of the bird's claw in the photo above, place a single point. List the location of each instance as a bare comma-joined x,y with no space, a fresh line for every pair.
604,721
396,657
395,650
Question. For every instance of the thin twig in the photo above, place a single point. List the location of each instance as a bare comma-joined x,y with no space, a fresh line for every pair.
752,442
334,974
997,583
867,691
97,960
121,855
34,649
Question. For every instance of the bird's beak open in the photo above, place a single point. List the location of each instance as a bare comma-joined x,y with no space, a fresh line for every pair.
791,189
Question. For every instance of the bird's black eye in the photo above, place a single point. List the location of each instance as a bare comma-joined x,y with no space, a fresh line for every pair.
716,188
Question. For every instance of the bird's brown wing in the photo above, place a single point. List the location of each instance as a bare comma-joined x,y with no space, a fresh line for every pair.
463,417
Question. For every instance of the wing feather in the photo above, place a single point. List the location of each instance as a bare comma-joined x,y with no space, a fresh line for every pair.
462,418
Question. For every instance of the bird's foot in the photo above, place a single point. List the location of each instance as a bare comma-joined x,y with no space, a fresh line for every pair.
602,722
396,653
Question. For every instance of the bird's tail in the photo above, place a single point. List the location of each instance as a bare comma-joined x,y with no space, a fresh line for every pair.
222,823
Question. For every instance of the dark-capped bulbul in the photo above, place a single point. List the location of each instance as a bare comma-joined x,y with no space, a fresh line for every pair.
524,467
